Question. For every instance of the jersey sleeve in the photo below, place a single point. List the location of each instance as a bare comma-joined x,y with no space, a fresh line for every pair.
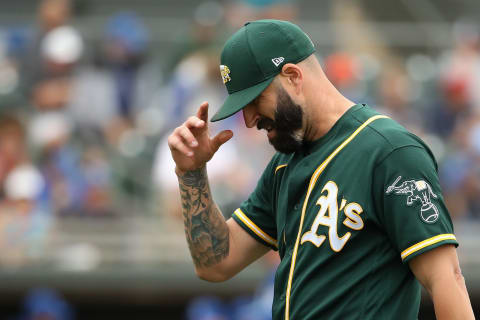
256,215
409,202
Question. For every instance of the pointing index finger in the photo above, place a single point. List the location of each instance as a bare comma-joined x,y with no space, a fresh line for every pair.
202,112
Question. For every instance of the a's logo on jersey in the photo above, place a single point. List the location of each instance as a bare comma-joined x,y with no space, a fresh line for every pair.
225,73
329,216
420,191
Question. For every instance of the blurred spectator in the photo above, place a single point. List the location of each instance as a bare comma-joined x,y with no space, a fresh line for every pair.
100,104
259,306
463,62
453,107
77,183
460,171
125,51
255,307
45,304
24,217
348,74
61,49
394,96
24,212
207,308
459,73
9,73
110,95
12,147
454,118
52,14
205,31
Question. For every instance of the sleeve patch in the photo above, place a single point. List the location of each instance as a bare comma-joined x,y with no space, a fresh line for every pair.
417,191
425,243
252,226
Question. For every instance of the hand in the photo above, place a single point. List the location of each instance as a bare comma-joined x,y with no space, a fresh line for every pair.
191,145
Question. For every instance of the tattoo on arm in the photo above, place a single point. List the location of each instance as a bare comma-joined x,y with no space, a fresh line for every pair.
205,227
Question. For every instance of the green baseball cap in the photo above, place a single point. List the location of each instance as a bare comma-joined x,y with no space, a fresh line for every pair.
254,55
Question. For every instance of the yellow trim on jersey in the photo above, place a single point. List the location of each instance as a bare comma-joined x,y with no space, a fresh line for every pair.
280,167
259,232
425,243
313,180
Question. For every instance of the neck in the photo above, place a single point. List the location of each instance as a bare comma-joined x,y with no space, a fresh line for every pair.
326,108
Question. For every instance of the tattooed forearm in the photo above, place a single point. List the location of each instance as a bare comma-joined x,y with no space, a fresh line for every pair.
205,227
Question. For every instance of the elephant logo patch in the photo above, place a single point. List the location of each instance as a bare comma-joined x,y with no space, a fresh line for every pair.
417,191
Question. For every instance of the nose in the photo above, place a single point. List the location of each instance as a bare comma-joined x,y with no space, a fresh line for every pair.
250,116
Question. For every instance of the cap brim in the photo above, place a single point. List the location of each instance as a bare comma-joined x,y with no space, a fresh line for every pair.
237,100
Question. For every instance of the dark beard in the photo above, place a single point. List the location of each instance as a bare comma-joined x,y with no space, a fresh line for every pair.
288,119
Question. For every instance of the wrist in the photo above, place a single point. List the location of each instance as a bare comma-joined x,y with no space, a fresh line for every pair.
181,173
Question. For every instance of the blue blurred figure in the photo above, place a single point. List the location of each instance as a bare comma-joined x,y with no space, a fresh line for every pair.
45,304
255,307
258,307
127,40
207,308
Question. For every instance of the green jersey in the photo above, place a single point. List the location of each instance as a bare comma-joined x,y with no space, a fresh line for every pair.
346,213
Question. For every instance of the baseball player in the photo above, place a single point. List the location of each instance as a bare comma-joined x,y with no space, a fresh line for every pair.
351,201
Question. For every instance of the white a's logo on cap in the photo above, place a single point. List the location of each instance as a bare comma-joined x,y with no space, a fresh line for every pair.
277,61
225,73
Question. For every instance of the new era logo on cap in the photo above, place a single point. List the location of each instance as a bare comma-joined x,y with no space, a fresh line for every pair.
277,61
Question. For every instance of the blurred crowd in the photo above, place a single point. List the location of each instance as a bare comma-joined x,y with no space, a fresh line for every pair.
83,124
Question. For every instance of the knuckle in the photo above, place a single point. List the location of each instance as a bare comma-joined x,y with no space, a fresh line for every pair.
188,134
183,129
192,119
184,132
177,130
173,141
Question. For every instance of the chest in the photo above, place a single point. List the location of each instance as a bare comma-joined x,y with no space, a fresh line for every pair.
331,203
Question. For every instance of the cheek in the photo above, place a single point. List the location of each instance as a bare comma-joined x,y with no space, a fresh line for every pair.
253,112
268,111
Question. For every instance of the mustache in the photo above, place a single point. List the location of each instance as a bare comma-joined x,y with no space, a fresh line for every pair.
265,123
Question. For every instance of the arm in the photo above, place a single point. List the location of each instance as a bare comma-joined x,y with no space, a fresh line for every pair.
219,248
439,272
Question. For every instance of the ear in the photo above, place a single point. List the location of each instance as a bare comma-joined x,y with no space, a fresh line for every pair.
293,76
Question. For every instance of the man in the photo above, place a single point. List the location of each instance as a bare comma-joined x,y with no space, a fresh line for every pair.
351,201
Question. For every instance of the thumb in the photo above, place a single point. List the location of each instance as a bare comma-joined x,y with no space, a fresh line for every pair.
221,138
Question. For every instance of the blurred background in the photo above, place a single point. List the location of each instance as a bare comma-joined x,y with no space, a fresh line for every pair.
90,224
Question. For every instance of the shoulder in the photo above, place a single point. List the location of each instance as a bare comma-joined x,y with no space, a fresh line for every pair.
385,135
